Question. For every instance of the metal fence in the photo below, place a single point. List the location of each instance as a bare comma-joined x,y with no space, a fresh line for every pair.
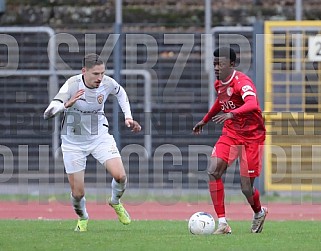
292,77
168,68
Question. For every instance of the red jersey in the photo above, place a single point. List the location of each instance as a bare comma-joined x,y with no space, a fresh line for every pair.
231,95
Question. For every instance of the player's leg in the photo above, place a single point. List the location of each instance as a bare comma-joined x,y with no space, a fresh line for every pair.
106,152
250,168
216,188
253,197
76,182
118,185
251,193
75,163
222,155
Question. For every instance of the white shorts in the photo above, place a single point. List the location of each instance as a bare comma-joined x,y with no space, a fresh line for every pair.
75,156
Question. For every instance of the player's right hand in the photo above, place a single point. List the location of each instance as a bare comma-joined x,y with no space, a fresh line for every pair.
198,128
74,98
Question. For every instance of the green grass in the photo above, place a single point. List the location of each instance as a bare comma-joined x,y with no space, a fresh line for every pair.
154,235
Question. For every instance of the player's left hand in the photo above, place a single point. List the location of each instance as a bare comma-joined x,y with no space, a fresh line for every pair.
220,118
134,125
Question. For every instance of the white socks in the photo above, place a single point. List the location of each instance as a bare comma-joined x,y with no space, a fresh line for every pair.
259,214
80,207
117,190
222,220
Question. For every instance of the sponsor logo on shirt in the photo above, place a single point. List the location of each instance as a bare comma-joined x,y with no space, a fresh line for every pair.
227,105
87,112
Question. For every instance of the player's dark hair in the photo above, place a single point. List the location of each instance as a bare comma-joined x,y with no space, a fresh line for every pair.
92,59
226,52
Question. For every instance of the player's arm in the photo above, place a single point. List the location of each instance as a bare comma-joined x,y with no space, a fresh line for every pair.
123,102
65,98
56,106
215,109
250,104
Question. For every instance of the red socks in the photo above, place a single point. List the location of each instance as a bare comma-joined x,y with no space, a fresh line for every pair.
254,201
216,188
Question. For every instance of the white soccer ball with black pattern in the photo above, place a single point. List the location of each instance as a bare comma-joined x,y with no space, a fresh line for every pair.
201,223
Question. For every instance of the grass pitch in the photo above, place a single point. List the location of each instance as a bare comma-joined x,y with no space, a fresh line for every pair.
154,235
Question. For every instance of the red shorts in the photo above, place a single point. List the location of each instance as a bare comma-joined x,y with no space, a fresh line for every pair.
250,154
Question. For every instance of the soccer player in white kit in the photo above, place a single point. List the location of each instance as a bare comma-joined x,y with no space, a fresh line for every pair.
85,131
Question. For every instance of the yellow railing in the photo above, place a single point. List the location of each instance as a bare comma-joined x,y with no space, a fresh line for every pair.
292,107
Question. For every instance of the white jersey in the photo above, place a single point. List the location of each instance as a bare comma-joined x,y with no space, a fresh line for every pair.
85,121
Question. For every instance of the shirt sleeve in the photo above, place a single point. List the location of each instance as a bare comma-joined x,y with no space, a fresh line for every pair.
64,93
53,109
216,108
57,105
123,100
247,89
250,104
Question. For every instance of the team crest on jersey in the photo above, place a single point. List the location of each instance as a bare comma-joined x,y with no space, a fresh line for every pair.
100,98
229,91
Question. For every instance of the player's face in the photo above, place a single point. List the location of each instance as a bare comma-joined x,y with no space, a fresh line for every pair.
223,68
93,76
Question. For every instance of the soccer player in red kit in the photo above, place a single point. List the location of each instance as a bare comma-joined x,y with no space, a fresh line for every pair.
242,137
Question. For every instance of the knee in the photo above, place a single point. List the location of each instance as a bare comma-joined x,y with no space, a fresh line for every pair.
121,179
216,169
77,195
214,173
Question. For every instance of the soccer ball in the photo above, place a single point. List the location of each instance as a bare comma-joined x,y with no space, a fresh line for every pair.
201,223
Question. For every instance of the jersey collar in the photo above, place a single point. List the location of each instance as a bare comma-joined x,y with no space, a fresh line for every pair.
230,79
83,80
